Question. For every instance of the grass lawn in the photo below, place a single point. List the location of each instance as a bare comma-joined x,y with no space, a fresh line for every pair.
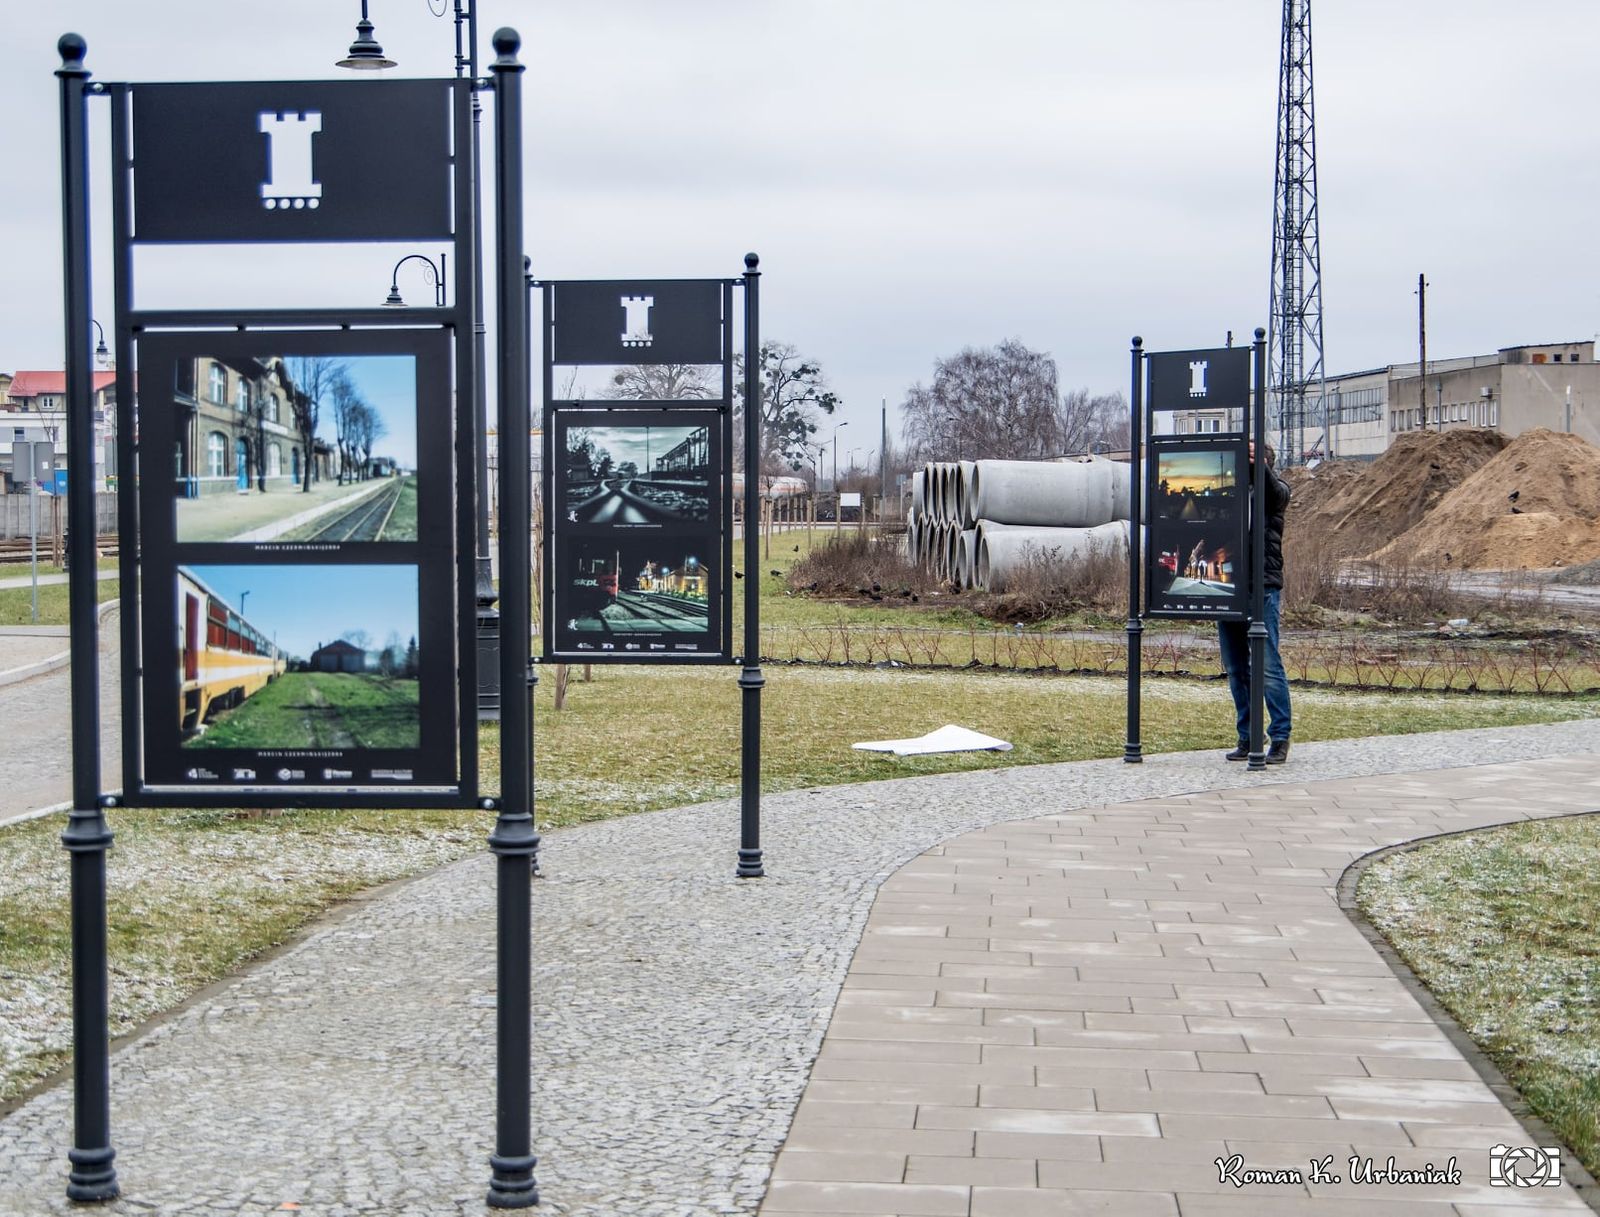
320,710
1501,926
192,896
625,742
16,603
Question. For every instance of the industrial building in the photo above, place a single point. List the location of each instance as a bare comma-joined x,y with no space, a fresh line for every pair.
1554,385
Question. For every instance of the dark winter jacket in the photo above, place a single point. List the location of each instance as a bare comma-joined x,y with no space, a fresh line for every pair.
1277,505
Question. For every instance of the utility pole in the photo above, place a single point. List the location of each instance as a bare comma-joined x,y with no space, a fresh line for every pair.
883,457
1422,356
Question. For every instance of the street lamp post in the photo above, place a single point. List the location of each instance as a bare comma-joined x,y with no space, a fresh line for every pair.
365,53
433,275
102,356
836,427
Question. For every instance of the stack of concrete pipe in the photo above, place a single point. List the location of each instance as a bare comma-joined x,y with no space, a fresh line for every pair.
977,523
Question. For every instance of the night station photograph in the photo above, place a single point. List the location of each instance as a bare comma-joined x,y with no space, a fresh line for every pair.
636,476
650,596
295,447
298,656
1197,530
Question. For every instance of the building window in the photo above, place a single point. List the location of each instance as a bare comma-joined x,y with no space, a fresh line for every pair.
183,379
272,408
219,384
216,454
1558,356
274,460
244,396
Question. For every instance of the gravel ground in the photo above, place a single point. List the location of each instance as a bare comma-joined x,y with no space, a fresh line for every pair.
677,1010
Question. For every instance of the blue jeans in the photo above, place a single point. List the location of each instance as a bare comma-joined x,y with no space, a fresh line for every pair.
1234,637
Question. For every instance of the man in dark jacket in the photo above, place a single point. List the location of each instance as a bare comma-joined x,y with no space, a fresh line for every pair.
1234,636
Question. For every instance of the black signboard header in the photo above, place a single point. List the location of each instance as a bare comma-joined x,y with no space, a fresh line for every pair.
292,161
1199,380
639,321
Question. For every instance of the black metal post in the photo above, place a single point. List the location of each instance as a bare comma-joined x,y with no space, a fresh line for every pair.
1258,560
87,837
489,683
514,841
750,678
1132,750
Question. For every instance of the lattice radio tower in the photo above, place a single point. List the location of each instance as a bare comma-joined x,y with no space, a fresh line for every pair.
1296,378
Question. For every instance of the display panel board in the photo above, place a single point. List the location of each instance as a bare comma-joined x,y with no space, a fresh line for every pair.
298,562
1199,380
1196,561
638,549
292,161
637,322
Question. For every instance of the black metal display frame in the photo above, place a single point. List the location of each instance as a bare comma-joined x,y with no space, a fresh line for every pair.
135,325
1153,388
234,776
689,344
87,838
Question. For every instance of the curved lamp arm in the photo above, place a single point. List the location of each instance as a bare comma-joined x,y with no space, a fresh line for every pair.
433,275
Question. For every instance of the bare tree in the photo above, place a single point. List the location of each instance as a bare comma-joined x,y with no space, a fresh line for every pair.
995,402
1090,423
369,429
308,381
794,392
664,382
347,402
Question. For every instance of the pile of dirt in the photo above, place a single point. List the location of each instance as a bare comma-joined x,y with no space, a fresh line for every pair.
1352,508
1535,504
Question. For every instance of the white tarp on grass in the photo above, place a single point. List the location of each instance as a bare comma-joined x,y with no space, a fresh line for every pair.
948,738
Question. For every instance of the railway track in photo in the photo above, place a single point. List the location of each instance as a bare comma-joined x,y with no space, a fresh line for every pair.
636,610
363,521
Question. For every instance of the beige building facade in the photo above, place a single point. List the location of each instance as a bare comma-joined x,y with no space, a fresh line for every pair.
1516,389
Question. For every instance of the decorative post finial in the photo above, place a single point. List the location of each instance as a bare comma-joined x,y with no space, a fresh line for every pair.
751,261
72,48
1137,342
506,42
1261,333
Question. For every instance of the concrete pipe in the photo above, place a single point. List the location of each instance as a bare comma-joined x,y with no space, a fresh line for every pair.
966,503
967,557
916,490
1053,494
1005,553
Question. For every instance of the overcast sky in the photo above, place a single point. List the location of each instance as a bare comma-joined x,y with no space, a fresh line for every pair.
921,175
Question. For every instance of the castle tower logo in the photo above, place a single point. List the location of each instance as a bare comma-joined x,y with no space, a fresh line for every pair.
636,323
1197,377
291,178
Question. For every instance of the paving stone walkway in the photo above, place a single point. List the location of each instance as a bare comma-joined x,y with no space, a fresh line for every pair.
1071,1013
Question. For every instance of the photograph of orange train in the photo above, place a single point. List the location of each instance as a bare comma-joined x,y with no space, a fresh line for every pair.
298,656
225,658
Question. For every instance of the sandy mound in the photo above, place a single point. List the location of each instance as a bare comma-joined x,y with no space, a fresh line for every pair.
1354,507
1535,504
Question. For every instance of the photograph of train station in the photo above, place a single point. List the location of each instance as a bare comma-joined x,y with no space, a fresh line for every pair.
295,448
631,593
298,656
636,476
